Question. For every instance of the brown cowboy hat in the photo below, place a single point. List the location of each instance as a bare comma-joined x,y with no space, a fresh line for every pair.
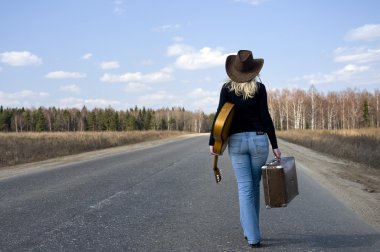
243,67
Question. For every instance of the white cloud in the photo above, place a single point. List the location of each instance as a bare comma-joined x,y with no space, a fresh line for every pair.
21,97
87,56
167,28
201,93
71,102
356,55
347,74
118,7
163,75
109,65
136,87
351,69
70,88
205,58
65,75
23,58
178,49
365,32
160,99
252,2
205,99
201,80
190,59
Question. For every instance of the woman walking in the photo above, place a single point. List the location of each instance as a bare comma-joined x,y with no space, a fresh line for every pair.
248,142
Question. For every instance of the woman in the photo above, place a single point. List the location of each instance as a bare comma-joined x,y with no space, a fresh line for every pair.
248,143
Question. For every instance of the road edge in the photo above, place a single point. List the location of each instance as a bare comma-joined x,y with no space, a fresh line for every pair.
50,164
327,170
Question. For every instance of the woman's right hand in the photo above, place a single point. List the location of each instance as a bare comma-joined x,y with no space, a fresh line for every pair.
277,153
212,151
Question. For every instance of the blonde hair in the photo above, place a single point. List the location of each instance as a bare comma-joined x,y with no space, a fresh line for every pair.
245,89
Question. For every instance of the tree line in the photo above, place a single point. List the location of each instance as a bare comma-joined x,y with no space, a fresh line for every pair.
108,119
347,109
290,109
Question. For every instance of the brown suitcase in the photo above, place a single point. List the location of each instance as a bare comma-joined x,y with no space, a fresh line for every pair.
280,182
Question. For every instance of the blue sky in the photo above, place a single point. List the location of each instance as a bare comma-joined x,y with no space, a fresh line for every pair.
122,53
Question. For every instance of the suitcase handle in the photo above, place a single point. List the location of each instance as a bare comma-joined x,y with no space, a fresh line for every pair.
275,161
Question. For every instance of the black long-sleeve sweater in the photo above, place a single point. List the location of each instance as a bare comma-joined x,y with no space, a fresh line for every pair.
251,114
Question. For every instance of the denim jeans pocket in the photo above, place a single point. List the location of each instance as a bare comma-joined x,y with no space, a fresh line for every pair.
262,145
234,144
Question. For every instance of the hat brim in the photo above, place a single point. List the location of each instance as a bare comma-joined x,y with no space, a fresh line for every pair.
246,76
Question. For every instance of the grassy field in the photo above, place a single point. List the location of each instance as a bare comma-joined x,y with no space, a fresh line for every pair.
19,148
358,145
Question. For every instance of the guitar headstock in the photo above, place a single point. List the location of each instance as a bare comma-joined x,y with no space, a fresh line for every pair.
218,176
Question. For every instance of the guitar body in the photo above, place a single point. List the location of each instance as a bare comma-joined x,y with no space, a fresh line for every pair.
222,127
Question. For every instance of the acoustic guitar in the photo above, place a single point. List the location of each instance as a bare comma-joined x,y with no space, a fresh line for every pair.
220,133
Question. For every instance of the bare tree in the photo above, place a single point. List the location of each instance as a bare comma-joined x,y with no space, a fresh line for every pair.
297,104
312,94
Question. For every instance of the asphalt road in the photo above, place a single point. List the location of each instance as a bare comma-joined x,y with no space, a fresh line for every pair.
164,199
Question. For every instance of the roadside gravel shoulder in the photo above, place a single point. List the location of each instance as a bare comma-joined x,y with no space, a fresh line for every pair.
357,186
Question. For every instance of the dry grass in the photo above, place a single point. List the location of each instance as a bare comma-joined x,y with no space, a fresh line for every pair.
358,145
18,148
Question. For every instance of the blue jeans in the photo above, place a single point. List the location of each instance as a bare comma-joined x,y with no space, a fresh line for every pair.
248,152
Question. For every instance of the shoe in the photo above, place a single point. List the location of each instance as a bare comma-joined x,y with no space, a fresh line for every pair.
256,245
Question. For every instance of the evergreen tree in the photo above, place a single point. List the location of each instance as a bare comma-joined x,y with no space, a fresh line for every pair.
66,119
5,119
130,122
2,119
91,121
28,120
366,113
147,120
111,120
163,125
39,120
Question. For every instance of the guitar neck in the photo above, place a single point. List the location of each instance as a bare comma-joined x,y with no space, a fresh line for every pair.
216,161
